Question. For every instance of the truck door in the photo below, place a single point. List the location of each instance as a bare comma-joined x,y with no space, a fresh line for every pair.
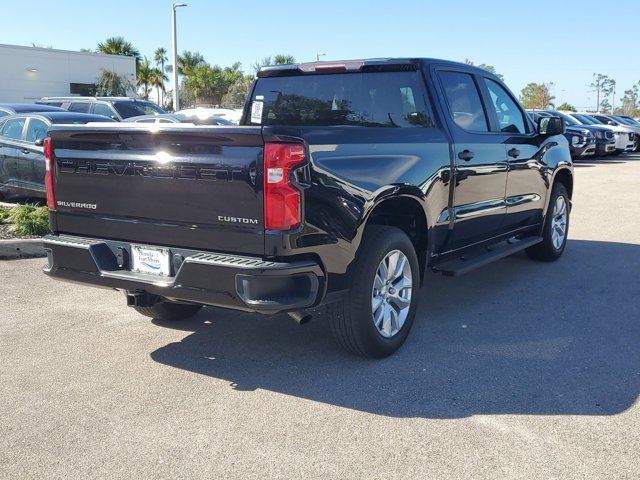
480,161
33,163
526,188
12,144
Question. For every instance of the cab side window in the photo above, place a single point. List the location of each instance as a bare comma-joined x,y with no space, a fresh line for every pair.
13,128
510,117
464,101
37,130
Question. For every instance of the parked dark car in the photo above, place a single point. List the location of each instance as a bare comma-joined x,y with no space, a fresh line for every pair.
343,184
13,108
604,137
179,118
22,163
116,108
582,142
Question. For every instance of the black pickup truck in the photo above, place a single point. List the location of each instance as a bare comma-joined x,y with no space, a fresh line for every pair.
344,182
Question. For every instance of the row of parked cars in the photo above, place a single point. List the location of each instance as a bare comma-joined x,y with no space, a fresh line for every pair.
24,126
596,134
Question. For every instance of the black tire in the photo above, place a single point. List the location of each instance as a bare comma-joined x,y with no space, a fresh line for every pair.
169,311
546,250
351,319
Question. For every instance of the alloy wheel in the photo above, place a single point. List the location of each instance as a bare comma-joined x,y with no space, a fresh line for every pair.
391,293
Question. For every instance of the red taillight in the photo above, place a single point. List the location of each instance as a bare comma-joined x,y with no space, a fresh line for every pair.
281,199
48,174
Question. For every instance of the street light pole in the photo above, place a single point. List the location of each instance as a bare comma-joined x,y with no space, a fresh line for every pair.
318,55
176,100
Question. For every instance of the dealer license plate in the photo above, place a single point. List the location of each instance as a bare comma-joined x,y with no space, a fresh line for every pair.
150,260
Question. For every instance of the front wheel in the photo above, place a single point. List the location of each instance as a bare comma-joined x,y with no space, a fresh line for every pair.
556,227
374,319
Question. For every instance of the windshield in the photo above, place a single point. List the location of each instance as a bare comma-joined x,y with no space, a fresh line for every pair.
586,119
623,120
632,121
567,119
137,108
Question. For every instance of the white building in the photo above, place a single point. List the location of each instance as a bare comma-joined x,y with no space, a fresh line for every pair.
29,73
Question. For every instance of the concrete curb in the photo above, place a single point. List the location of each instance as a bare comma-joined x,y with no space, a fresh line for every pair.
21,248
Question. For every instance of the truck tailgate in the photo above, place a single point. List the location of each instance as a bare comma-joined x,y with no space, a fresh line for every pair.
181,186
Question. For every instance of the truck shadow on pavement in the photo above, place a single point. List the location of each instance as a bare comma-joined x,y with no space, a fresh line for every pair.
517,337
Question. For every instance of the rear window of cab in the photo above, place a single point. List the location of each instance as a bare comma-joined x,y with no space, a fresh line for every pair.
375,99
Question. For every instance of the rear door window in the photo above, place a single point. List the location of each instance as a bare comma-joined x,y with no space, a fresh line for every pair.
375,99
36,130
464,101
80,107
102,109
13,128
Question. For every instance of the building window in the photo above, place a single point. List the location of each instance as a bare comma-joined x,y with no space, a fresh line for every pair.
84,89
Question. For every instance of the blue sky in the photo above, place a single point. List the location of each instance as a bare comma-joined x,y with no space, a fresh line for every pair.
564,41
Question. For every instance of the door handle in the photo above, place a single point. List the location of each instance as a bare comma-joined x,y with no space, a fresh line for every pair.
465,155
514,153
24,151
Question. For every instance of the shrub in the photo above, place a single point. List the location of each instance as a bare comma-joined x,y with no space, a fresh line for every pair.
29,220
4,215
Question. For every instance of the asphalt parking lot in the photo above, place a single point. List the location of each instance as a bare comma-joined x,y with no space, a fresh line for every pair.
517,370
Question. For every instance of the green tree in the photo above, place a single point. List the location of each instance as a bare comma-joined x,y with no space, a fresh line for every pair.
537,95
567,106
208,84
189,61
160,56
630,101
118,46
237,92
279,59
148,77
602,86
488,68
113,84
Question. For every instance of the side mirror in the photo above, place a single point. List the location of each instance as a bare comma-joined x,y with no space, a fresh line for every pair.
551,126
39,142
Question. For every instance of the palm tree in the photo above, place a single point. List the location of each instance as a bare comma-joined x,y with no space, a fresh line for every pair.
277,60
118,46
144,75
160,57
156,79
284,59
188,61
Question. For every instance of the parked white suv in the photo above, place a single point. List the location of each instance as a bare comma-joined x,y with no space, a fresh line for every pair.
616,120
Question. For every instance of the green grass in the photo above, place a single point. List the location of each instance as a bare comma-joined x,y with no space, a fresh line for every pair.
29,220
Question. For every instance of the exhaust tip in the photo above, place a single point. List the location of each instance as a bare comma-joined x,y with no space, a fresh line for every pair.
301,317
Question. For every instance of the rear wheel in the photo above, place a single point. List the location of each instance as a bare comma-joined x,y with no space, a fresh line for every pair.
375,317
169,311
556,227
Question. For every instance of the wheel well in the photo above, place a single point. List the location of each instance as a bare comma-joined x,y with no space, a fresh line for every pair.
564,176
407,215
